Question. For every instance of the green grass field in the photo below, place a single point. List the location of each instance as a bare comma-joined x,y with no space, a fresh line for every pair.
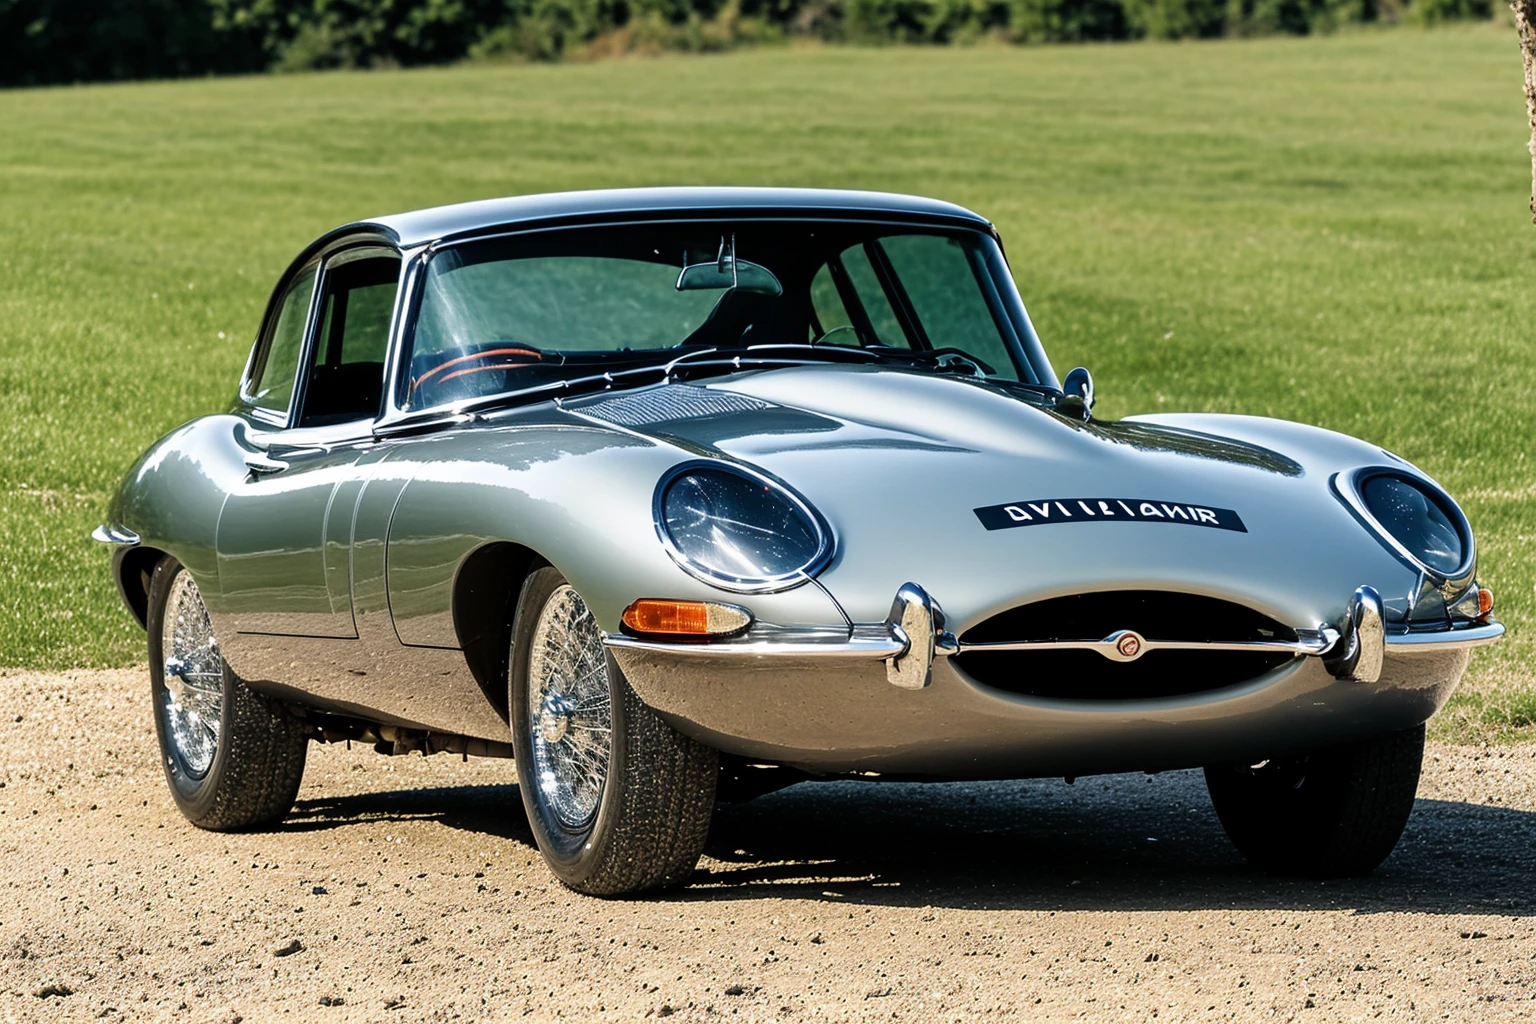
1331,230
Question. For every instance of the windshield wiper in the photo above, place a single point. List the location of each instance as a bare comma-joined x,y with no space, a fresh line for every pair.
701,361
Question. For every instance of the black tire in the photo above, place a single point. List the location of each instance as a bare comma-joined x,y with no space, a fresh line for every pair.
652,816
1334,813
258,761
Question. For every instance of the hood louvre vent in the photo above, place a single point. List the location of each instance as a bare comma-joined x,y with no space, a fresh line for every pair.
667,403
1089,676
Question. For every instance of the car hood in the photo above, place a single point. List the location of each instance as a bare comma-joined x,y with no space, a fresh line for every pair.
911,470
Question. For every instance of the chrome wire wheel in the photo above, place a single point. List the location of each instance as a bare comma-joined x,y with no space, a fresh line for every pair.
570,714
194,678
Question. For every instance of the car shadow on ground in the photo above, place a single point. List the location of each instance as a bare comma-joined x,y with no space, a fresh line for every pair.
1124,842
488,810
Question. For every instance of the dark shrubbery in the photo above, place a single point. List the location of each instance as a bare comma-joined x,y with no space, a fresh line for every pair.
44,41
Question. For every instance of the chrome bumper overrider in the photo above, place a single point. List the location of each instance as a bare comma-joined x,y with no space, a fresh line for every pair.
116,535
913,635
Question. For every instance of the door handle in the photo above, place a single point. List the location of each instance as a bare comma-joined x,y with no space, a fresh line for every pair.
258,462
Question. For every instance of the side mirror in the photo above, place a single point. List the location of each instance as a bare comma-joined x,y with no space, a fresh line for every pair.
1078,388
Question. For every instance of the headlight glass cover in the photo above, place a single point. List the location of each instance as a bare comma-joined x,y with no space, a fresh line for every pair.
1424,523
739,531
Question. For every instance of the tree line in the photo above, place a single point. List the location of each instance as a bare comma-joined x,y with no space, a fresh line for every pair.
53,41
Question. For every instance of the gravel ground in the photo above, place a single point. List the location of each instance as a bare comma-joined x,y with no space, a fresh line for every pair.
408,889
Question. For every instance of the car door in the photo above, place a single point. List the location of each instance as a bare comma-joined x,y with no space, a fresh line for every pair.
285,531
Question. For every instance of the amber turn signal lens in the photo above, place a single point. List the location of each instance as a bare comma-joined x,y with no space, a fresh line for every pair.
1484,602
676,617
685,618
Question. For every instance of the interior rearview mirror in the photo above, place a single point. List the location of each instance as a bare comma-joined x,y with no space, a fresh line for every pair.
726,271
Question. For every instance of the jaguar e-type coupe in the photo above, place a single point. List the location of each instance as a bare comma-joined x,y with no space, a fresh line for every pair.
682,494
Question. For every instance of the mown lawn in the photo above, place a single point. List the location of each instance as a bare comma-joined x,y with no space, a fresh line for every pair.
1331,230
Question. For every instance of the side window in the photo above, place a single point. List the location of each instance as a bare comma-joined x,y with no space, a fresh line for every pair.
346,379
832,311
272,380
877,306
834,324
941,285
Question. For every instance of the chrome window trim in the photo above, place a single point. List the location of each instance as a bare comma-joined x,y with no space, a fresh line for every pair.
413,268
264,342
825,541
361,251
348,253
1346,486
344,252
418,259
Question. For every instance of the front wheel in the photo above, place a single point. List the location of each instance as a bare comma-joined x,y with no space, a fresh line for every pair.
1333,813
619,801
233,759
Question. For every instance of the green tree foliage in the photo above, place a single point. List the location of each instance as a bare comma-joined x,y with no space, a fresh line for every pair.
43,41
46,41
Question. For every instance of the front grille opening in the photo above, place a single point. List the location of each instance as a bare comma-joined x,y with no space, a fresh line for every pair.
1088,675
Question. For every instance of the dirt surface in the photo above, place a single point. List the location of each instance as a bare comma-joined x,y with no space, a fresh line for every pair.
408,889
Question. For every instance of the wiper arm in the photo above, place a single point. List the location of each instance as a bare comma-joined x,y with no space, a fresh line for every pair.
474,408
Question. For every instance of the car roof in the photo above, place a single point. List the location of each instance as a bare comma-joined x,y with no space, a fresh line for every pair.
489,215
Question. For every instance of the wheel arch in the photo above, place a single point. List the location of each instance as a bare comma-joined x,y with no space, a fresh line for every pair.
133,571
485,591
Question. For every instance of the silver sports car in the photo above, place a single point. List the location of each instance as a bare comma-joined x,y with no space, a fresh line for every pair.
677,495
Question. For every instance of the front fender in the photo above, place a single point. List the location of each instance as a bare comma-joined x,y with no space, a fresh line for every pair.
577,495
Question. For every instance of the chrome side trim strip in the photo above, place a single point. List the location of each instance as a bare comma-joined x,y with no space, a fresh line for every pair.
1446,639
811,643
105,534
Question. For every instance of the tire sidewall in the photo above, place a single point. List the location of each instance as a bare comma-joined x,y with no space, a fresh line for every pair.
573,855
194,796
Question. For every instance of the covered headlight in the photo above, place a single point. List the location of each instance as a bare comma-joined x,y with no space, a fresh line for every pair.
739,530
1417,520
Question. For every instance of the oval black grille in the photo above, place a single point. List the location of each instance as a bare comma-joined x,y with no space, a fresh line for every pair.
1088,675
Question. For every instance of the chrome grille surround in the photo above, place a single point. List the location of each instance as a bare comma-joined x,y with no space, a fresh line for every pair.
1129,645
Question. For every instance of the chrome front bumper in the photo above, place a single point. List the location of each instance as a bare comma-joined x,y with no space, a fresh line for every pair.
886,697
910,639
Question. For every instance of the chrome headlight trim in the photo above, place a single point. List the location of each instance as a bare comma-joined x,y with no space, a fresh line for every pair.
743,584
1348,488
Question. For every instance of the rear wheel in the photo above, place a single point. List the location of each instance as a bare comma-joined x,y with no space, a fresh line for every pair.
233,759
1332,813
619,801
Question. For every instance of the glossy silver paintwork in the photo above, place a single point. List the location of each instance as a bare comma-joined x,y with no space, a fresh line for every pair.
843,715
328,557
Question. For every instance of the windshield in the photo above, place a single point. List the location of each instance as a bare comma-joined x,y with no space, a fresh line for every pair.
505,315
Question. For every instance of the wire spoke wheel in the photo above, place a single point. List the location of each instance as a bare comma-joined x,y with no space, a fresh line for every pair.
232,759
194,678
618,800
569,708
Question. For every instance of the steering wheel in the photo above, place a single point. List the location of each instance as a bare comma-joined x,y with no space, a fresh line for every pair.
506,357
845,328
951,358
